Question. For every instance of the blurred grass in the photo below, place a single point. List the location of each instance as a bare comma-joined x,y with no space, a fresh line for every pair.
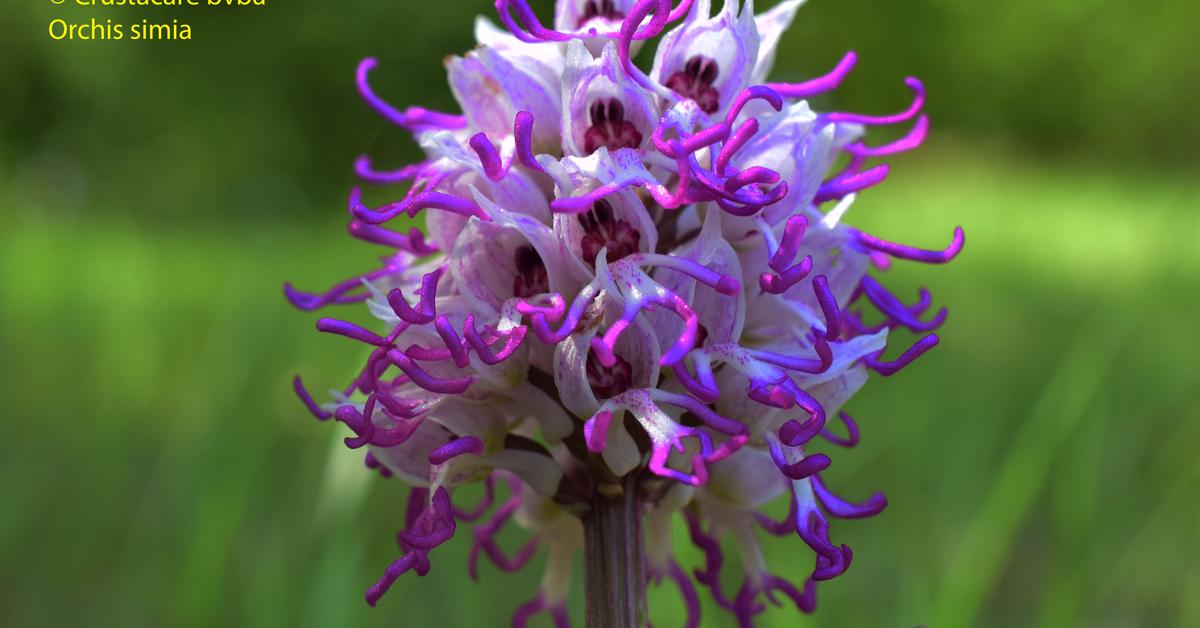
156,470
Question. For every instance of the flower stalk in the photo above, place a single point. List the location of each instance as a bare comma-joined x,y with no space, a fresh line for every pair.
613,548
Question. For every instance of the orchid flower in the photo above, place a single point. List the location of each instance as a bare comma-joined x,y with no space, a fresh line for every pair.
635,300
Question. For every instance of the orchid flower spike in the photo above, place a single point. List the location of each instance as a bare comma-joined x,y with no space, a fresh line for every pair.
635,292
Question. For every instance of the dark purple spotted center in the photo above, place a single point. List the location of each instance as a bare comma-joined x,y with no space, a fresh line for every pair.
599,8
531,279
695,81
609,127
609,382
603,229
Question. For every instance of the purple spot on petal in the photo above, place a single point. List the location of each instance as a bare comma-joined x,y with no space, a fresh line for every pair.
593,9
602,229
610,128
531,279
695,81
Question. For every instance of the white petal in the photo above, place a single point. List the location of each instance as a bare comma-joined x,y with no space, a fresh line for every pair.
770,26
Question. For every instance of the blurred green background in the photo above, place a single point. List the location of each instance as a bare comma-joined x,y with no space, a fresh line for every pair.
155,469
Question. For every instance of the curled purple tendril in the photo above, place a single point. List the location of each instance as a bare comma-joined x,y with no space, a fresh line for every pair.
604,346
911,112
557,612
829,307
845,185
786,273
371,462
425,311
843,509
691,602
729,190
340,294
888,369
901,251
714,558
413,118
489,157
783,527
413,204
896,311
309,402
914,138
364,170
736,141
745,605
778,390
793,433
352,331
433,527
526,27
360,423
805,467
851,438
813,529
665,439
489,496
819,85
458,447
420,377
412,242
485,537
523,132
